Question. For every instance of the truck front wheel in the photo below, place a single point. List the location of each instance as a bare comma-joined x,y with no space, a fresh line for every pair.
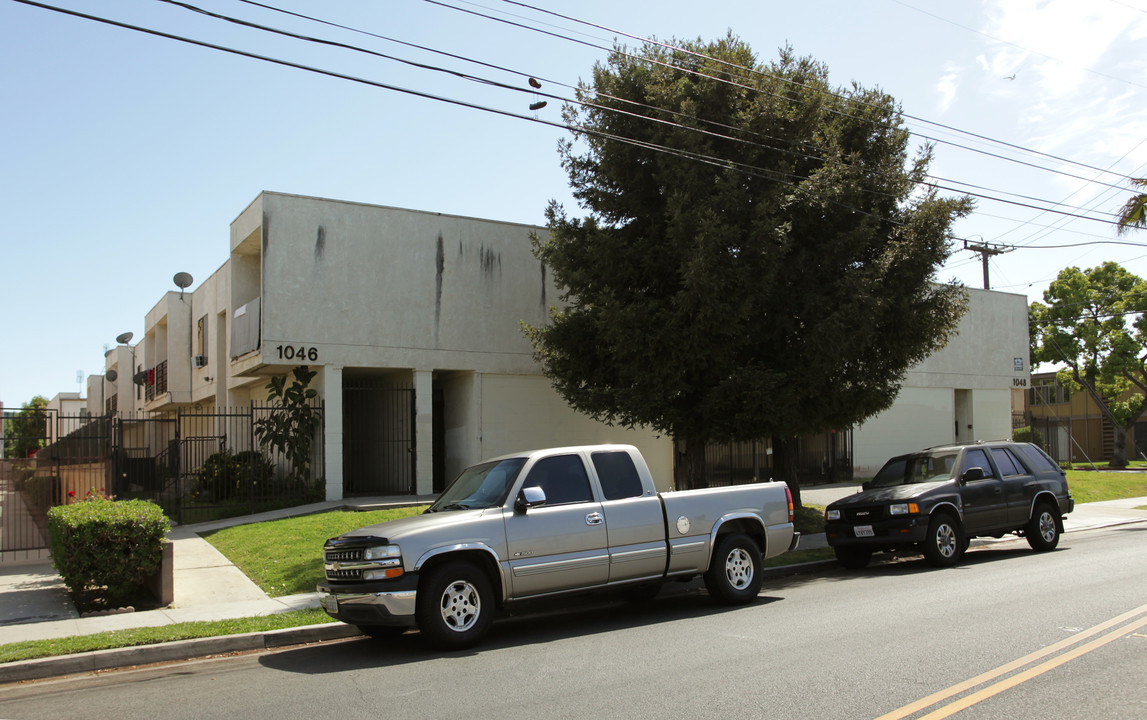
455,605
734,574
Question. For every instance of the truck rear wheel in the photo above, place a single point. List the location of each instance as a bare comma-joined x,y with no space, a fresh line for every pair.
455,605
734,574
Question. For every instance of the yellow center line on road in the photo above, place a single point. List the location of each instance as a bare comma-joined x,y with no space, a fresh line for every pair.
934,698
1030,673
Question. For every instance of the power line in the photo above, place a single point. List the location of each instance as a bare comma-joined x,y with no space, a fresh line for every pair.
1015,45
588,104
710,160
719,162
822,90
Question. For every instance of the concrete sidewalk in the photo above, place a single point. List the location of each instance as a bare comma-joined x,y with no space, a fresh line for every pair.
34,604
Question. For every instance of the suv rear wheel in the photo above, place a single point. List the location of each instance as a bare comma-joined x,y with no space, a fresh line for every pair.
1042,531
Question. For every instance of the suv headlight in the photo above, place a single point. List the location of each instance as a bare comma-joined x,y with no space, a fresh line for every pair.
903,509
831,514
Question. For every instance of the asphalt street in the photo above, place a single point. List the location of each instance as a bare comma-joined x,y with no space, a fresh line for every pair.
833,644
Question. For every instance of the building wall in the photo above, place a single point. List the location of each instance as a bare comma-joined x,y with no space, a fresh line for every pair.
523,412
969,381
440,300
382,287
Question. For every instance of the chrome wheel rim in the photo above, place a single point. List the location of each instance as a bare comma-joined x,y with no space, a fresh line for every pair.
946,540
739,568
1047,526
461,606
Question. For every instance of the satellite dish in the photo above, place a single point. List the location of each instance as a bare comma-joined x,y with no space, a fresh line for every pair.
111,375
182,281
123,338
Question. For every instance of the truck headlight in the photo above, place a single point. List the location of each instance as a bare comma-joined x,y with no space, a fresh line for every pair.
382,552
831,514
903,509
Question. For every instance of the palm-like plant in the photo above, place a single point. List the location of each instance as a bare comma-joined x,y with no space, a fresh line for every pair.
1134,213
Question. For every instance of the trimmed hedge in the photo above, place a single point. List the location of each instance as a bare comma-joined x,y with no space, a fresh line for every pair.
105,550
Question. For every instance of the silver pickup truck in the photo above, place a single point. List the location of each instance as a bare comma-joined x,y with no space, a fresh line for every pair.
545,522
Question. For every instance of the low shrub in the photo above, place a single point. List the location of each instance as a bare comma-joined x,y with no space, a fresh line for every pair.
105,550
42,491
226,476
1028,435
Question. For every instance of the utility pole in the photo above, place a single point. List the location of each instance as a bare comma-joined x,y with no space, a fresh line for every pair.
987,250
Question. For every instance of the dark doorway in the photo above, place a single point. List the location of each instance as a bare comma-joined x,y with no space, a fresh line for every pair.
378,436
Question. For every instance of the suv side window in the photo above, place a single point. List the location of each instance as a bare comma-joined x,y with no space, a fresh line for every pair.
977,458
618,475
1008,464
1037,458
562,478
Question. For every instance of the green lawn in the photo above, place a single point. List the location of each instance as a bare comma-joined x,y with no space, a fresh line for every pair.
285,557
1093,486
29,650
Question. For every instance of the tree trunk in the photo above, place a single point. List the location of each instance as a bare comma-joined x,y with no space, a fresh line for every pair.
694,476
785,465
1119,451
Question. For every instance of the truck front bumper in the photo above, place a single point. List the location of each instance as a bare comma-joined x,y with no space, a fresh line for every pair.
380,604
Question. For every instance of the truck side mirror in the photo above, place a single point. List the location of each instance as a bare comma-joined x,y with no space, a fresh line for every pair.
972,474
529,497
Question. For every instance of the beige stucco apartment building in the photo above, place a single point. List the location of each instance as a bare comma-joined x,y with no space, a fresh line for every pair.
413,321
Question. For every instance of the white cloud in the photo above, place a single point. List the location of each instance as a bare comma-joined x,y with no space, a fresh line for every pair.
947,86
1062,43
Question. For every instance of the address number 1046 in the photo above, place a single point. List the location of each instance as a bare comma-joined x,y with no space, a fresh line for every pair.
298,352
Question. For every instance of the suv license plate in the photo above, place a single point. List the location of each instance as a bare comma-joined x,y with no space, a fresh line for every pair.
330,603
864,531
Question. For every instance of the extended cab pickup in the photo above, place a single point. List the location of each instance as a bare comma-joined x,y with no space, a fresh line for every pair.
545,522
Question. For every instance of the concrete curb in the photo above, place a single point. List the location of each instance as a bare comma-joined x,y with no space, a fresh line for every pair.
97,660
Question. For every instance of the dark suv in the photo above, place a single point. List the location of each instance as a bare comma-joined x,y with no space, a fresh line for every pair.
938,499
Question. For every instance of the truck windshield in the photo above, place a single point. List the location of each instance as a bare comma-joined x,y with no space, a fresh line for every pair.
915,469
480,486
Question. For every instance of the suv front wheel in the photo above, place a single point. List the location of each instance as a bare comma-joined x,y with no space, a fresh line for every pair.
945,541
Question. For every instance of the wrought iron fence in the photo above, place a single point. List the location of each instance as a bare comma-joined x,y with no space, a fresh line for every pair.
197,465
822,458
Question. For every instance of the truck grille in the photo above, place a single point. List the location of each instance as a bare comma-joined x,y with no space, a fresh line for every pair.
344,574
346,555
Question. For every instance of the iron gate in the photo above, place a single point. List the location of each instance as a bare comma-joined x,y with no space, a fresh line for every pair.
196,465
378,438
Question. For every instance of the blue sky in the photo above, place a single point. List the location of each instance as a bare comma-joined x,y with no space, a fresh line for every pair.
125,157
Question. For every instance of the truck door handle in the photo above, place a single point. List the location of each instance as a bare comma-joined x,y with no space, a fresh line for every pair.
594,518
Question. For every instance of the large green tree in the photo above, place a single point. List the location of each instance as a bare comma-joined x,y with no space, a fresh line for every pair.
759,254
1093,326
27,431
